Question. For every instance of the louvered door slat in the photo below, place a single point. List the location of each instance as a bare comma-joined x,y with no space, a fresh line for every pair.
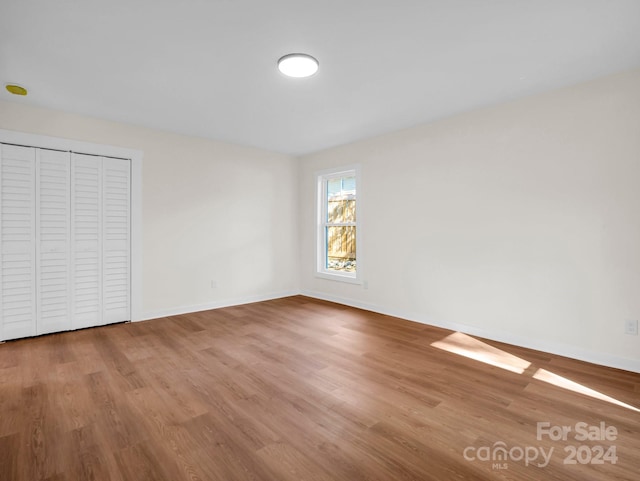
17,242
53,190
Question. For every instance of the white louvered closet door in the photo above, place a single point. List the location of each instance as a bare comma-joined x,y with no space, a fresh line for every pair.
53,191
86,240
116,191
17,238
65,256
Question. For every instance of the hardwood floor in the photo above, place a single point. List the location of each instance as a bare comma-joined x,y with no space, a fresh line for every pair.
299,389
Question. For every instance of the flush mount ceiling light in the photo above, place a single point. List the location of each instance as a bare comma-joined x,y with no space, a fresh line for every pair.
16,89
298,65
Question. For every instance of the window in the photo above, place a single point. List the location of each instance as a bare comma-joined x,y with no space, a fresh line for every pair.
337,226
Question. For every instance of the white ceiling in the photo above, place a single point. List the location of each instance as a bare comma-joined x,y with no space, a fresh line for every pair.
208,67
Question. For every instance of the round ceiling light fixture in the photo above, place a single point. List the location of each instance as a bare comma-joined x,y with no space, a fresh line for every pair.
298,65
16,89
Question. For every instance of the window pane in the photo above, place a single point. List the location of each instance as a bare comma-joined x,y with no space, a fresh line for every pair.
349,184
341,248
334,187
341,187
341,211
341,200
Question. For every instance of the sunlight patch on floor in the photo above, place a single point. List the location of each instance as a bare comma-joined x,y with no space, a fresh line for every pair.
472,348
564,383
467,346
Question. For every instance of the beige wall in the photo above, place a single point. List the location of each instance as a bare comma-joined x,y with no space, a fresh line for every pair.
520,221
210,210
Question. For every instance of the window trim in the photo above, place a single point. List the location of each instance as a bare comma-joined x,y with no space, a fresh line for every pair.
321,211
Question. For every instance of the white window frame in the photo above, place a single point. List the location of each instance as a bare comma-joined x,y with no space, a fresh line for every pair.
322,178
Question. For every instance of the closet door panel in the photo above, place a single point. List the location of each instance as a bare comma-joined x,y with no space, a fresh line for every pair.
65,241
86,240
17,239
116,239
53,192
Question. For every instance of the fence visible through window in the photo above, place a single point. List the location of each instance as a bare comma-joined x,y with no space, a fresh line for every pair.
340,229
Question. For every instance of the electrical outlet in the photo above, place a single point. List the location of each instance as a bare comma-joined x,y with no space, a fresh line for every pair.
365,284
631,327
214,284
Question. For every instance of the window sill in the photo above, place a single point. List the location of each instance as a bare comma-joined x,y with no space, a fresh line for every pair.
338,277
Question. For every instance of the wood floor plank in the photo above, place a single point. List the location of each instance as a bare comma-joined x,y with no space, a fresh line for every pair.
301,389
9,447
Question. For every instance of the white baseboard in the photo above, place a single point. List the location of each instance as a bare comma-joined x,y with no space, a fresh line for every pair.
175,311
559,349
